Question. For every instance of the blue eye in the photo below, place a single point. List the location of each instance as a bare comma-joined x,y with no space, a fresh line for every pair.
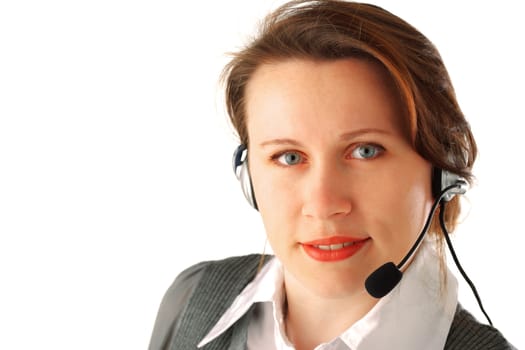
367,151
289,158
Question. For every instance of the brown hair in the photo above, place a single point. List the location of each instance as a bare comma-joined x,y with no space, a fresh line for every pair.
334,29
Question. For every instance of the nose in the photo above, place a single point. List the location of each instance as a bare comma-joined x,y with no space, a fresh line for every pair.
325,193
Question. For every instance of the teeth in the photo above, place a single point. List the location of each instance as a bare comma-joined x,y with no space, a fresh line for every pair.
334,246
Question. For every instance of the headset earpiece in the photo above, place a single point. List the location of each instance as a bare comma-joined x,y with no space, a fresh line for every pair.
441,179
240,168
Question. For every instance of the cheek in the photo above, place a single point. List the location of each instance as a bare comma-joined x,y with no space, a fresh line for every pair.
412,210
399,213
273,198
278,206
279,226
272,187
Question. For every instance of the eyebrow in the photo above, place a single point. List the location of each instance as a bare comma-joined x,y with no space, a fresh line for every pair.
352,134
343,137
280,142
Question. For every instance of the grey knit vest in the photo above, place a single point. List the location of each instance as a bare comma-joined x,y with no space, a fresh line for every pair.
223,280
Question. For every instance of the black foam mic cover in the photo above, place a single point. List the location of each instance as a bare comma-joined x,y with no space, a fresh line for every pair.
383,280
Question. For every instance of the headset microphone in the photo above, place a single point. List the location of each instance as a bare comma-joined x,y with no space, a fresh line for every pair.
444,186
385,278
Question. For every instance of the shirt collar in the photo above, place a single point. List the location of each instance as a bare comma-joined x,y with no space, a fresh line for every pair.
417,314
267,286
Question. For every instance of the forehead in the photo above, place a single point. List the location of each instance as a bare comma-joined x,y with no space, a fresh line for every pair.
353,93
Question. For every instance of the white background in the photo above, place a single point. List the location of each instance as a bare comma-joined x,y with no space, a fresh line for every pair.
115,156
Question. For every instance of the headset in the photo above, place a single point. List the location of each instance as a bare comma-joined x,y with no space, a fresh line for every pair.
445,186
441,179
240,168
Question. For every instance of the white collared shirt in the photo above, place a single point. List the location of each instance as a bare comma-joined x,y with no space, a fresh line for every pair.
417,314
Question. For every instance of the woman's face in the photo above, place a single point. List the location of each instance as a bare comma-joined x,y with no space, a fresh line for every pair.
340,189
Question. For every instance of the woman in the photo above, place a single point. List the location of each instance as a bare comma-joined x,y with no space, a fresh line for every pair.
351,136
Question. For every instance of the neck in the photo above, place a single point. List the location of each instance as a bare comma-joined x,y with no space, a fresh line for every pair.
305,311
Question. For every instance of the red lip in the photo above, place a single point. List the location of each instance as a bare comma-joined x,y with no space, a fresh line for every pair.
333,240
316,253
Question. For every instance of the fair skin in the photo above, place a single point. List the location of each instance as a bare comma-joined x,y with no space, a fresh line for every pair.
339,187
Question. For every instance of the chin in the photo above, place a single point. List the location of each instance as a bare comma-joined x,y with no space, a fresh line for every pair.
331,283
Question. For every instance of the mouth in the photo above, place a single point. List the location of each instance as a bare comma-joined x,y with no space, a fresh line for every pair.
333,249
335,246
